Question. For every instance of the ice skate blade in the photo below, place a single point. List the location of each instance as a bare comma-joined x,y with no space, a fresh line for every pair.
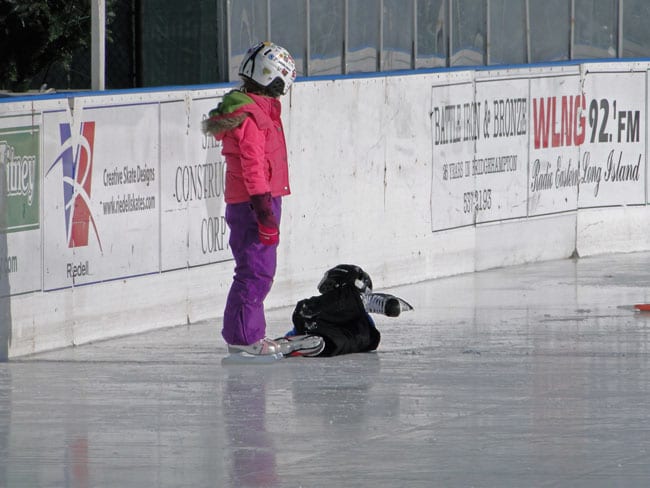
245,358
404,305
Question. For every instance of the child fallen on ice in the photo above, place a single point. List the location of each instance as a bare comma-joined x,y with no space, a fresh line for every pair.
338,320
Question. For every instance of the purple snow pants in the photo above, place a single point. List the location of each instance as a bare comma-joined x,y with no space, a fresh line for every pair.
255,263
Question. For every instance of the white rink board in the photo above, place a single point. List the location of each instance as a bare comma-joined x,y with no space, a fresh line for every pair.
194,231
20,222
374,182
118,190
557,129
480,137
613,156
500,162
453,151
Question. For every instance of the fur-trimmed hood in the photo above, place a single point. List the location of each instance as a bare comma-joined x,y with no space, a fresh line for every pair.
233,109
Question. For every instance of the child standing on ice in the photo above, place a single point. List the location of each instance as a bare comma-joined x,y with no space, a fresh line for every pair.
248,123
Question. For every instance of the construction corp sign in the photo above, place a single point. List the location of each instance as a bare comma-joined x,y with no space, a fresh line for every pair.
19,170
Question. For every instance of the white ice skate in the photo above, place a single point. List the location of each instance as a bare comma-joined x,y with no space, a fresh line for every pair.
262,351
385,304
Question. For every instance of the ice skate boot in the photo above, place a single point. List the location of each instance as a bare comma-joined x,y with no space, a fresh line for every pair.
301,345
385,304
262,351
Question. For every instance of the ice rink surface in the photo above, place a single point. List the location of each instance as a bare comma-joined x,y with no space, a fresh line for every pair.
531,376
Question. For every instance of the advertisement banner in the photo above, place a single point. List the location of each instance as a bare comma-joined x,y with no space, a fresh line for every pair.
480,142
557,130
456,126
19,170
101,194
192,176
612,158
500,164
20,235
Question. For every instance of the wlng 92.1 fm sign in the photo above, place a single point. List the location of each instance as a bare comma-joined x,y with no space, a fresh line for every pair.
553,145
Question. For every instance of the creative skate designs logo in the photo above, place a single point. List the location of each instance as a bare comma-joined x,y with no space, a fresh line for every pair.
76,160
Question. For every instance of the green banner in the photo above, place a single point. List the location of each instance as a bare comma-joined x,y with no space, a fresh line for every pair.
19,179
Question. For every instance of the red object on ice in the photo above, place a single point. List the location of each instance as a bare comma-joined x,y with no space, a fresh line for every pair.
643,307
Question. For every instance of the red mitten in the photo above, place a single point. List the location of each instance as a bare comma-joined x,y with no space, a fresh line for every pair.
268,235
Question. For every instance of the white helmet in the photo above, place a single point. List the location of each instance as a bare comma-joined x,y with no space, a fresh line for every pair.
270,66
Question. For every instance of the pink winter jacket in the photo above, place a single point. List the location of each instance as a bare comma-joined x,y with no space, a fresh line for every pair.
252,134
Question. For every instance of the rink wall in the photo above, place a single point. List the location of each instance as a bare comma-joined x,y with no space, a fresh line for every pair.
113,213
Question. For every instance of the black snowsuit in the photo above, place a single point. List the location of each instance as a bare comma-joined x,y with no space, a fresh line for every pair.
339,317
